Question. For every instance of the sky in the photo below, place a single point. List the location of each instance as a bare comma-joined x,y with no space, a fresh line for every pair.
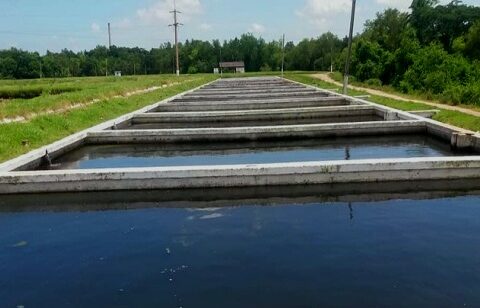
41,25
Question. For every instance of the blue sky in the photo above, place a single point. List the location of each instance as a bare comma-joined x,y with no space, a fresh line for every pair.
81,24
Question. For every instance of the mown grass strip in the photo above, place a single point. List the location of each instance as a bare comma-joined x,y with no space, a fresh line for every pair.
20,138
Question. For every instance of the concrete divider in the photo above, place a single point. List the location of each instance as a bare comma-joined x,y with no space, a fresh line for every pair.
425,113
255,115
329,172
236,91
256,132
299,94
252,104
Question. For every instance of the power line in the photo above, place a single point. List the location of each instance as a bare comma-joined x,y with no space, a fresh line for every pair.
176,24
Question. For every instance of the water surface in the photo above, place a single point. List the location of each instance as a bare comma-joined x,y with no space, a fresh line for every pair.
158,155
398,253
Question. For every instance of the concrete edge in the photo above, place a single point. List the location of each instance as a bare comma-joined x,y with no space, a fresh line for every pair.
255,132
298,173
252,112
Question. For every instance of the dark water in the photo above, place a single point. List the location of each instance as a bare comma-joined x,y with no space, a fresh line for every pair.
409,253
111,156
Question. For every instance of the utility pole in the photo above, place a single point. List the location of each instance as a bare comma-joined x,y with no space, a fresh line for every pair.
109,37
221,69
331,59
283,53
109,47
176,24
349,54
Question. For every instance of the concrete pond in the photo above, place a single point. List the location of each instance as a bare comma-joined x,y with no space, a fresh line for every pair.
246,192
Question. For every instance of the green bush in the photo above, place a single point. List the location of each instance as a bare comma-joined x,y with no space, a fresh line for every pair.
471,94
337,76
458,94
374,82
265,68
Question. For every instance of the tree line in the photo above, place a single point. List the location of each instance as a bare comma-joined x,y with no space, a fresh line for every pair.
433,49
196,56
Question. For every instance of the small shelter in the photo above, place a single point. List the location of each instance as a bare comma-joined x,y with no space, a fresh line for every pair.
237,66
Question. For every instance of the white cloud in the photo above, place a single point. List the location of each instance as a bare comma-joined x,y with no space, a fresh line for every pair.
159,12
256,28
95,27
125,23
321,13
206,27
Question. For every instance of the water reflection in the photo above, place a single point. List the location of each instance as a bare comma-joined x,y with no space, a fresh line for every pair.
206,202
350,210
347,152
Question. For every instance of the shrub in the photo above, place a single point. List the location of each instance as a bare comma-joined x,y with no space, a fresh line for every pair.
374,82
458,94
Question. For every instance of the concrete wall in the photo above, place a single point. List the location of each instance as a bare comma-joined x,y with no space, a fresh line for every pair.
362,171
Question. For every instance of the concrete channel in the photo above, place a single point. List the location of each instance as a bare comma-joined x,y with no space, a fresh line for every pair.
252,132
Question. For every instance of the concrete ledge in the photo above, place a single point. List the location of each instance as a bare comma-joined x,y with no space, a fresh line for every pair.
220,97
254,90
425,113
329,172
253,104
256,132
255,115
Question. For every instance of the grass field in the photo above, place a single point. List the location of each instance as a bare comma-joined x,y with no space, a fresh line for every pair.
21,137
24,98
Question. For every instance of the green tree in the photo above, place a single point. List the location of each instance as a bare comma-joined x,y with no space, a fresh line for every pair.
387,29
472,41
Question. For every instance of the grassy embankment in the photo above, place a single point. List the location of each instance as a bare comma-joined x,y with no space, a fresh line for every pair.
337,76
21,137
455,118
